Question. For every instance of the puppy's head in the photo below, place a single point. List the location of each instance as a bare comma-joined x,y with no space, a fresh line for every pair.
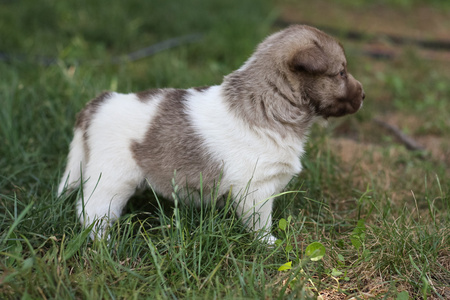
313,64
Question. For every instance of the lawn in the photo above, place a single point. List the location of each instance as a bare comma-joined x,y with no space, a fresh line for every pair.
378,209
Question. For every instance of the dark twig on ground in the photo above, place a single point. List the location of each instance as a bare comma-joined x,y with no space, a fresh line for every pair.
407,141
129,57
441,45
153,49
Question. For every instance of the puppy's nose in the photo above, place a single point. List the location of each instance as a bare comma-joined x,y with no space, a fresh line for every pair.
363,95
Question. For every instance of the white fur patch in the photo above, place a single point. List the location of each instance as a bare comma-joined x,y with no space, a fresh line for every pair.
110,173
257,156
243,150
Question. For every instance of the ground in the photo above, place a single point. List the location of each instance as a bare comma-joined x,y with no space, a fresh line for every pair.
374,192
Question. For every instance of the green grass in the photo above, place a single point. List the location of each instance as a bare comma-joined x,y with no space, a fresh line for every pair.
381,212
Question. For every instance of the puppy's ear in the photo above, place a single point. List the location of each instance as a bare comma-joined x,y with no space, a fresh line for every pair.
312,60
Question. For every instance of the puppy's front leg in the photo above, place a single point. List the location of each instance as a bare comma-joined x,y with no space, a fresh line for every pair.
256,212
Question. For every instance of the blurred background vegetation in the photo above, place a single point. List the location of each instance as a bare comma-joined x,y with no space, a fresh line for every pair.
56,55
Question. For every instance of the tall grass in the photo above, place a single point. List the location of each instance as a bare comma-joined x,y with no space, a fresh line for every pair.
383,217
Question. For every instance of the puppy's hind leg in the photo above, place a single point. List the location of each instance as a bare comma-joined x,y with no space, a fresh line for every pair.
103,199
75,164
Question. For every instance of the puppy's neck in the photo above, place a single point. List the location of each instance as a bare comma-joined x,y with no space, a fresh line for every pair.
266,100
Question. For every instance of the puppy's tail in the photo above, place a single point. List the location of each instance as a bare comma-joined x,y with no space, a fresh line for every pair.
75,163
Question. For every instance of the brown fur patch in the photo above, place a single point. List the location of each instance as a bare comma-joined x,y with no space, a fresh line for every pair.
171,143
144,96
291,78
85,116
202,88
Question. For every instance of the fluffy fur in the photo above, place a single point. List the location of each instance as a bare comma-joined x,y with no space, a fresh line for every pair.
249,131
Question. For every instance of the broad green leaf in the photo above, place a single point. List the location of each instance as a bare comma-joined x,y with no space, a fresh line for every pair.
341,257
288,248
315,251
336,273
358,235
403,295
282,224
360,227
286,266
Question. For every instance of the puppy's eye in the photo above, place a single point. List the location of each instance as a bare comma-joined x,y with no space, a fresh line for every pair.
342,73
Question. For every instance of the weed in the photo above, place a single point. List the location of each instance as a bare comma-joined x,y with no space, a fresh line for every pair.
379,212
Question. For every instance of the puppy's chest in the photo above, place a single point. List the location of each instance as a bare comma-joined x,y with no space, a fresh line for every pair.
270,160
242,149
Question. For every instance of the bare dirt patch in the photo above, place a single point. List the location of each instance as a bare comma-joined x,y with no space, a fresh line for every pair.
383,27
420,21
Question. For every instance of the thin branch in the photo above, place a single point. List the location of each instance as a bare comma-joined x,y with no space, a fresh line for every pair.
129,57
439,44
407,141
153,49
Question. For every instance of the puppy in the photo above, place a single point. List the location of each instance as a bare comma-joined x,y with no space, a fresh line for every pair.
248,133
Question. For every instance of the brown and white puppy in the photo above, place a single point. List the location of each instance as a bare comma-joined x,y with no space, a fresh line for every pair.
249,131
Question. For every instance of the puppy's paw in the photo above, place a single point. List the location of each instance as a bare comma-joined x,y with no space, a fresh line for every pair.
269,239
